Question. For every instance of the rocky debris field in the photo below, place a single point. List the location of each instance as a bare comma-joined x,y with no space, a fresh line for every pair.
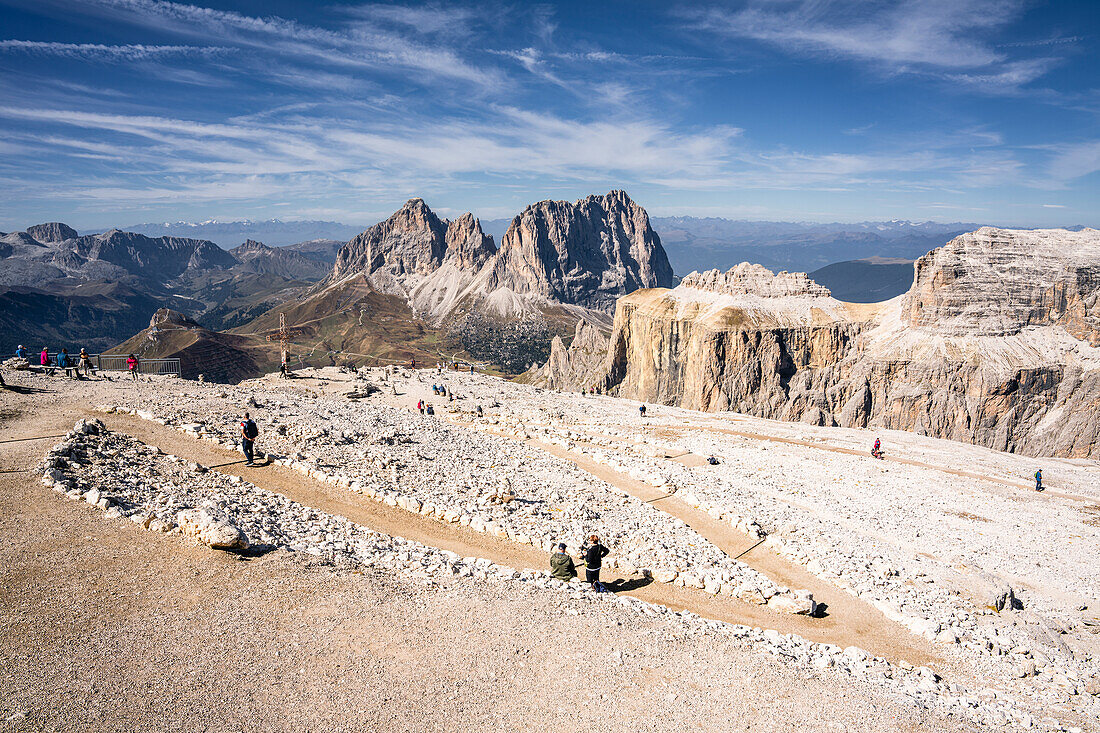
428,466
926,543
165,493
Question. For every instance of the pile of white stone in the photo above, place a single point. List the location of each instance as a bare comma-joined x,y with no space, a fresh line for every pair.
426,466
165,493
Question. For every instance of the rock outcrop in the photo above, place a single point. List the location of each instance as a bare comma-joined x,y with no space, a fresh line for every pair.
586,253
53,231
995,344
573,367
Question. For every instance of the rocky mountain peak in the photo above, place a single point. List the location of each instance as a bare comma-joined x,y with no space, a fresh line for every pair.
587,253
169,317
995,282
53,231
751,279
412,240
467,246
251,245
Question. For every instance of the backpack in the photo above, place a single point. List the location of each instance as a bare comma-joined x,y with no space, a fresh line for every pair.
250,429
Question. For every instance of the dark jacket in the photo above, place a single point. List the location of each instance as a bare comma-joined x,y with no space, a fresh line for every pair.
249,430
594,555
562,567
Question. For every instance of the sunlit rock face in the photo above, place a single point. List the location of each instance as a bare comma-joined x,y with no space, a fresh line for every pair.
995,343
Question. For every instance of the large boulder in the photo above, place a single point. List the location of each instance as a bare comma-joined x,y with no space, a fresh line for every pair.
211,526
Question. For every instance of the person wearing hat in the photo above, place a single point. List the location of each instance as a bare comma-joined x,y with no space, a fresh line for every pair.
593,561
561,565
21,352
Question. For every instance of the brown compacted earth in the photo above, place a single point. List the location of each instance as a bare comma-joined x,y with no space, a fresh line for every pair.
104,626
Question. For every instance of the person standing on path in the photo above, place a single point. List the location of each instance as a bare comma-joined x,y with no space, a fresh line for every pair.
86,362
132,364
1039,480
249,432
593,561
641,411
561,565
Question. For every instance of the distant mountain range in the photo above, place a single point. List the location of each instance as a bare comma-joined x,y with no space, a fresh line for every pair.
226,234
692,243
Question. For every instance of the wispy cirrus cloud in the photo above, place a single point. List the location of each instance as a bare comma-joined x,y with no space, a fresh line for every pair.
357,46
946,38
101,52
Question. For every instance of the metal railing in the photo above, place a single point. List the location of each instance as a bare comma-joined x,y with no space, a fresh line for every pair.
117,363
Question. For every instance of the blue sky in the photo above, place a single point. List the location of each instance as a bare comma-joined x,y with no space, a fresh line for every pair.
119,111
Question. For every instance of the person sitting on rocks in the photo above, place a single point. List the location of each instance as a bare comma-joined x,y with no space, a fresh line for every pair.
561,565
21,352
1039,480
249,433
480,412
877,450
712,461
593,561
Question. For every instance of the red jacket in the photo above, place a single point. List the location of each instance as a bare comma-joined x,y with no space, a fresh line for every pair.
131,363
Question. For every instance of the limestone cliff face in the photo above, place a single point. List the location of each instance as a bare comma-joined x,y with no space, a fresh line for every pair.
994,344
585,253
997,282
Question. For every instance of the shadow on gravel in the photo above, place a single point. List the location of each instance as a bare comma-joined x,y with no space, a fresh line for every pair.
253,551
821,611
628,584
18,389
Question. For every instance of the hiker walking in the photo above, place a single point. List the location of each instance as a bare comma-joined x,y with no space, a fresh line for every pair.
641,411
877,450
593,561
561,565
1039,480
249,432
132,364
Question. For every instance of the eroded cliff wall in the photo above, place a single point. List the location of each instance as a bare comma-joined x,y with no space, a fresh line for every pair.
994,344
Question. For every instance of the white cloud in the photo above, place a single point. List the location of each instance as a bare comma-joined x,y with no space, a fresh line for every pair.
101,52
360,46
948,38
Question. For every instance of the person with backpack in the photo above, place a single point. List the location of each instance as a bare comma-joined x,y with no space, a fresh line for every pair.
876,452
561,565
249,433
641,411
593,561
132,364
1039,480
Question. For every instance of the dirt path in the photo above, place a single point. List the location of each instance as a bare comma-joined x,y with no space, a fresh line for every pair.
847,623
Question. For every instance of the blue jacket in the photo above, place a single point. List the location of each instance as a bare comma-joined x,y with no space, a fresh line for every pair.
21,353
63,360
